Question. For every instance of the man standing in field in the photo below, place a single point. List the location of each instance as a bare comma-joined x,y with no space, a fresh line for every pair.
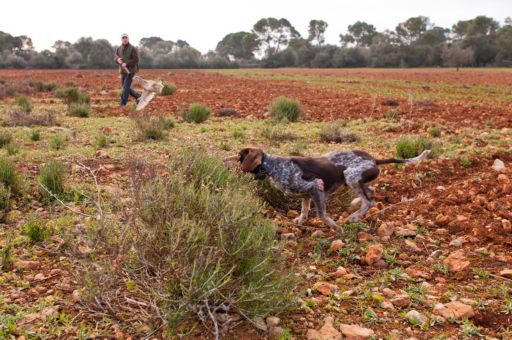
127,57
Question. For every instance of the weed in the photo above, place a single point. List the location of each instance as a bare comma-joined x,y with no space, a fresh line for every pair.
196,113
285,109
52,176
57,142
24,104
12,148
5,138
100,141
35,135
409,147
8,174
168,89
35,229
80,110
434,131
335,133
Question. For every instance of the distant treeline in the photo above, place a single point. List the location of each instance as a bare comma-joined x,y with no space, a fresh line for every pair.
273,42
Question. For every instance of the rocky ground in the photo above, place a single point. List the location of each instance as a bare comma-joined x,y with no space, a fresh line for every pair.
431,260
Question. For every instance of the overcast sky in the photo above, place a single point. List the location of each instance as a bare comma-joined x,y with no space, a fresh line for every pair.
203,23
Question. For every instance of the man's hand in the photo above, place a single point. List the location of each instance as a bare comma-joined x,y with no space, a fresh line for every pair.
124,65
119,61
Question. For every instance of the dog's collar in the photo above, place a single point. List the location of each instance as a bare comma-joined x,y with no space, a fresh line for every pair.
261,173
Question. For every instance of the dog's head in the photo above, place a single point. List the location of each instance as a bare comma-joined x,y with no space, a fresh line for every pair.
251,159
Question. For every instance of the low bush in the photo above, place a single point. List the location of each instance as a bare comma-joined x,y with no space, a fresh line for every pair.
12,148
72,95
44,87
335,133
196,113
8,174
35,229
100,141
434,131
412,146
285,109
35,135
168,89
23,103
200,234
5,196
18,117
51,177
153,128
5,138
57,142
80,110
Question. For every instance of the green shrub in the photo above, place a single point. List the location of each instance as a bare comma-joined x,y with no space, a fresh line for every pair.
434,131
51,176
393,114
335,133
57,142
8,174
196,113
5,138
24,103
6,261
101,141
168,123
201,231
35,229
35,135
5,196
285,109
151,128
79,110
12,148
168,89
409,147
72,95
297,148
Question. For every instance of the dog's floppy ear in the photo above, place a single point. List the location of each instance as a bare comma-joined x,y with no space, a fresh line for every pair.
250,158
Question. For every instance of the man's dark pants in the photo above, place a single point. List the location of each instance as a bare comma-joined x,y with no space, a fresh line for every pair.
126,82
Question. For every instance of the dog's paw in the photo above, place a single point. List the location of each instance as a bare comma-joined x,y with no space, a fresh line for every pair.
299,220
353,218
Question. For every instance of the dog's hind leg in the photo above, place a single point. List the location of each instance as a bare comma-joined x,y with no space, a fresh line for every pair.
306,204
360,186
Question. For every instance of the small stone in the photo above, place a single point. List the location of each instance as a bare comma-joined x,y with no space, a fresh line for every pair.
325,288
355,204
340,272
75,296
273,321
503,178
317,234
355,332
456,261
39,277
454,309
28,265
498,165
385,229
374,254
412,246
402,300
276,332
336,245
506,273
457,242
363,236
288,236
293,213
404,232
387,305
327,332
47,312
507,225
416,318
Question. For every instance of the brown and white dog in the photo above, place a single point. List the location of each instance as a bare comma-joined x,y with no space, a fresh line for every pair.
315,178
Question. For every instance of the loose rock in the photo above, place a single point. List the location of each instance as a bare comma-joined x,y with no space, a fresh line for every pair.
454,309
355,332
327,332
373,255
456,261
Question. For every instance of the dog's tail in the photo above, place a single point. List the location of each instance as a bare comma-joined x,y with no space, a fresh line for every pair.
414,160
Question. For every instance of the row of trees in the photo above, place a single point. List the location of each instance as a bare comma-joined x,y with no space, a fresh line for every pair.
277,43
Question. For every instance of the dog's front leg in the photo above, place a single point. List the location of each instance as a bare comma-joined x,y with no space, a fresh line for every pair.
319,199
306,204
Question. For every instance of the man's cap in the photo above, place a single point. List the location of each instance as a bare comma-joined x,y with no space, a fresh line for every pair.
124,35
